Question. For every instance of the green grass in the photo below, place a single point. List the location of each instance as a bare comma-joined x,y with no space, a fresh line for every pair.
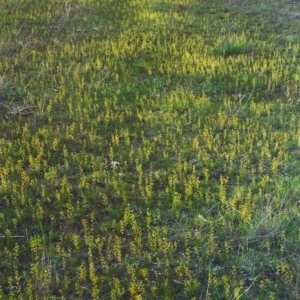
149,149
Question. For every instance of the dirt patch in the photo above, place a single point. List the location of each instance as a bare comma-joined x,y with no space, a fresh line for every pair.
292,16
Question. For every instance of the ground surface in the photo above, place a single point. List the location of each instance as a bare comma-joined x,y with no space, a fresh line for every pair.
149,149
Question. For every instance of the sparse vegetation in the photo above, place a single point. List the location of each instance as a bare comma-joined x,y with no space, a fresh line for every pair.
149,149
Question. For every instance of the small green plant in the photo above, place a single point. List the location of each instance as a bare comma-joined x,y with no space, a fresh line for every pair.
228,50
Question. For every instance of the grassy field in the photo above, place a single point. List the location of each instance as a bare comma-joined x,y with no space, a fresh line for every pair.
149,149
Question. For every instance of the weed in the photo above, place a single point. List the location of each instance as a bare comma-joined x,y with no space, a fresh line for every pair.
149,150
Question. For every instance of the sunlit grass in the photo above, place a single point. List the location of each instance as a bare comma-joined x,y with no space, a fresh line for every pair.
149,150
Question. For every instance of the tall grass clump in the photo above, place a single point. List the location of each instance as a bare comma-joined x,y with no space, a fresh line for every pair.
149,150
